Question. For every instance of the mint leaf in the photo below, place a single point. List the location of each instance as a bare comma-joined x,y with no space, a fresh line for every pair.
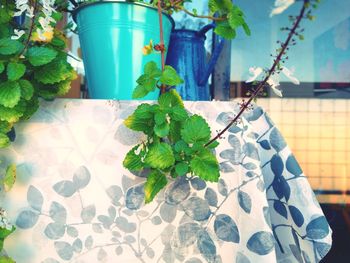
39,56
9,46
2,67
170,99
205,166
27,89
224,29
4,140
53,72
160,156
195,129
6,259
10,177
213,145
162,130
221,6
178,113
132,161
152,70
181,168
15,70
180,146
175,131
170,77
10,94
144,111
156,181
10,114
139,92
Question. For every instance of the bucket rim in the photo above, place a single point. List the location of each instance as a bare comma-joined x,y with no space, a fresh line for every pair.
86,4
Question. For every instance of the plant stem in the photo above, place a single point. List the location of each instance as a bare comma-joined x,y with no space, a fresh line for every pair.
162,49
268,75
30,29
201,16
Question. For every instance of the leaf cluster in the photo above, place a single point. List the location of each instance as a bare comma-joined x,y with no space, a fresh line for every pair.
29,69
175,140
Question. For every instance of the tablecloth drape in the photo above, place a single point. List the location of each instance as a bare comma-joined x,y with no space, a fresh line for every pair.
74,202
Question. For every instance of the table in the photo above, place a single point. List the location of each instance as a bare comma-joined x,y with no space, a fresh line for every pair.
74,202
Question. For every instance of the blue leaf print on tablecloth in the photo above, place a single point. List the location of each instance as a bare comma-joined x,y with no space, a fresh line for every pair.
250,150
88,213
297,216
178,191
280,208
196,208
198,184
156,220
193,260
64,250
293,166
27,219
72,231
234,129
206,246
50,260
250,166
58,213
276,140
114,192
245,202
135,196
105,220
35,198
123,224
187,233
322,249
55,230
277,165
317,228
241,258
225,167
81,177
102,255
226,229
211,196
89,242
168,212
77,245
265,144
296,253
65,188
254,114
261,243
222,187
281,187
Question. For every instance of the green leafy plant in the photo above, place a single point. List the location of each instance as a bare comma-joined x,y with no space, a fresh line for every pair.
33,61
177,143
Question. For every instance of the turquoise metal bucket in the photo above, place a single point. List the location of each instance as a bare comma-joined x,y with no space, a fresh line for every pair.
112,35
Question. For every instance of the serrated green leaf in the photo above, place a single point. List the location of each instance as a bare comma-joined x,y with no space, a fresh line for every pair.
139,92
156,181
221,6
205,166
152,70
5,15
5,126
178,113
175,131
15,70
9,46
170,77
162,130
27,89
10,94
6,259
137,124
2,67
180,146
132,161
10,114
6,232
246,29
224,29
160,117
160,156
144,111
31,106
39,56
58,42
213,145
195,129
54,72
4,140
170,99
235,20
10,177
181,168
63,87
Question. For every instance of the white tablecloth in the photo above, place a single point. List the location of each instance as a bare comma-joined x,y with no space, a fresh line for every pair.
74,202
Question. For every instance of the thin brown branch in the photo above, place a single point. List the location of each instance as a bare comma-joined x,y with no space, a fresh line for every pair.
268,75
201,16
30,29
162,50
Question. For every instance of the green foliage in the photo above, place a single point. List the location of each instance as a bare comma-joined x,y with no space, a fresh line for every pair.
29,68
174,145
8,180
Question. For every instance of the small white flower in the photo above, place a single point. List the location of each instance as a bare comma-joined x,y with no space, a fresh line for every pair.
17,34
4,223
274,83
255,72
288,73
281,6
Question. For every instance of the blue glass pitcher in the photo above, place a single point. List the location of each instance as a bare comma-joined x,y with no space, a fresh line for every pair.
188,56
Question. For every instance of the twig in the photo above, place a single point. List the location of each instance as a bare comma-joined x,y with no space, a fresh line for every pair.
162,48
268,75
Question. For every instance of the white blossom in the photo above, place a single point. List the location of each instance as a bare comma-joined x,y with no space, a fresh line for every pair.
4,223
281,6
255,72
288,73
17,34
